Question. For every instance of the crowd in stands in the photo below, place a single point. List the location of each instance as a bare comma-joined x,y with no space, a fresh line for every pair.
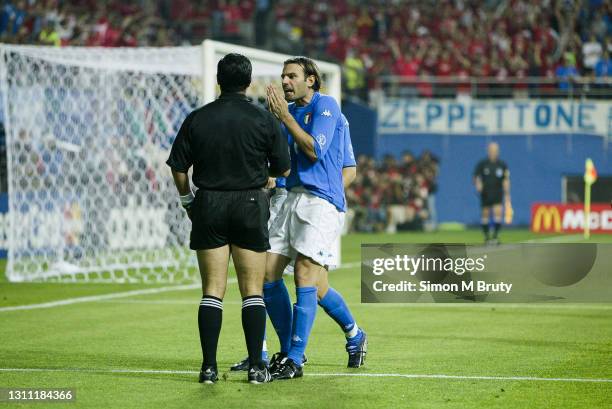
393,195
411,39
567,42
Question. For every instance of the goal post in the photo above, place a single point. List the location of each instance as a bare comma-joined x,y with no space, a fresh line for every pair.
267,67
88,131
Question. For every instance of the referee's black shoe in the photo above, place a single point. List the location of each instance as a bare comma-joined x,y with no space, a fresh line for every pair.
241,366
259,375
287,369
244,364
208,374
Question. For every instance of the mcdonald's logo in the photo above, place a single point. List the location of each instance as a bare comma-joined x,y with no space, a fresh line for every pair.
546,218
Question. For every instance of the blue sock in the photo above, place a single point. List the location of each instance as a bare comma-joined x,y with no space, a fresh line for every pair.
335,306
304,312
264,351
278,305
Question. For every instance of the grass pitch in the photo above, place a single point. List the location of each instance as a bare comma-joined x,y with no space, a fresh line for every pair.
142,351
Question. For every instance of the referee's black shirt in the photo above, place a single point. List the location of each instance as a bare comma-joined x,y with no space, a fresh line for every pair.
492,174
230,142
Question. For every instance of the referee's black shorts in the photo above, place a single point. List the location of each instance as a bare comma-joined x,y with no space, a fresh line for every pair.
490,198
230,217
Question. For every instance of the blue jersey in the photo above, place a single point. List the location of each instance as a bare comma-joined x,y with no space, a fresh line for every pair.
348,158
322,119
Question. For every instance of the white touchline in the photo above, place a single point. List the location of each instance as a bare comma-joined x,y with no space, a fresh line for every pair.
559,239
93,298
124,294
501,307
358,375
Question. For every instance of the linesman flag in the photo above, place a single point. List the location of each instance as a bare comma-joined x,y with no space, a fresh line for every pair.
590,173
590,176
508,212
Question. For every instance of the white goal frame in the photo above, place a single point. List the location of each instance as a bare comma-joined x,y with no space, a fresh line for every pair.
176,264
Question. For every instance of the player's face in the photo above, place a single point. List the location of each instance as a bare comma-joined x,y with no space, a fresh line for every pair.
295,85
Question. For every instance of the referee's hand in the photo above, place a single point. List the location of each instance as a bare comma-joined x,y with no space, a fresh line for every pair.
188,210
271,183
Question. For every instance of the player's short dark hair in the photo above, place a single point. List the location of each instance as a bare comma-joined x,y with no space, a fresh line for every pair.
309,67
234,73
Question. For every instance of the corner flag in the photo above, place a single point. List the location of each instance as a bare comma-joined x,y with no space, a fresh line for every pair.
590,173
590,177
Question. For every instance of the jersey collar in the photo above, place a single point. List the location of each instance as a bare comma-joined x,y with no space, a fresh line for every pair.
314,99
233,95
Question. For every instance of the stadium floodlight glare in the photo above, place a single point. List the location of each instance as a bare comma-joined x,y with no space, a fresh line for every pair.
88,131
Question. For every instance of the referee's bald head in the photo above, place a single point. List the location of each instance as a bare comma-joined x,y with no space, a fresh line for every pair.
234,73
493,150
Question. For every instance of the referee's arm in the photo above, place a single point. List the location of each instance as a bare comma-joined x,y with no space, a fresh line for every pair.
181,180
506,185
278,152
280,175
478,183
477,179
180,160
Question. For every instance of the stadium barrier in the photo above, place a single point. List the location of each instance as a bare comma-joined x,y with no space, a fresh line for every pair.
495,87
569,218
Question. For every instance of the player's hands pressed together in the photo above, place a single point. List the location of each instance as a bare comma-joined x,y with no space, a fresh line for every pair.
280,108
277,103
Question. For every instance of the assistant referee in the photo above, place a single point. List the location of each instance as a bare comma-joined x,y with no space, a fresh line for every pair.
492,181
233,146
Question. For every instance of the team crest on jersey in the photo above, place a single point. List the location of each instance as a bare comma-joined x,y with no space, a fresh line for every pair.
307,118
321,139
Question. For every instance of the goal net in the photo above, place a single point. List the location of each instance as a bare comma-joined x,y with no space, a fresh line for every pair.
88,132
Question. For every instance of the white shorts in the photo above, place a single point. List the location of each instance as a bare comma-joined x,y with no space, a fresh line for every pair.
309,225
276,202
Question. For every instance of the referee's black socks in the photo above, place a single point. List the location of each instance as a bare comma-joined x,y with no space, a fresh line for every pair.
485,230
210,316
254,326
496,228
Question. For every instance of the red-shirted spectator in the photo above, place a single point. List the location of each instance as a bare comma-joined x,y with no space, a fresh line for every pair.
445,64
480,39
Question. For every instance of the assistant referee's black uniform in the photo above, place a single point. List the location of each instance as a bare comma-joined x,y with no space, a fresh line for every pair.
492,175
230,143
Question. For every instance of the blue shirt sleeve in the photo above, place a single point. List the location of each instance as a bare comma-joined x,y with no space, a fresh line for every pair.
325,119
348,156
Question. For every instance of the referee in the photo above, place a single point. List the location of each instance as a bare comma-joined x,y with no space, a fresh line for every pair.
492,180
233,147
